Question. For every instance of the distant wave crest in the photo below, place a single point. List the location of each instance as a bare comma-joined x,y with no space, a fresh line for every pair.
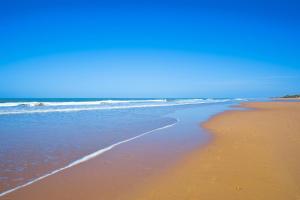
9,108
76,103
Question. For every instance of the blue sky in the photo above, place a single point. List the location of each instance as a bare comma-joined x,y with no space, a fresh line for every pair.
149,48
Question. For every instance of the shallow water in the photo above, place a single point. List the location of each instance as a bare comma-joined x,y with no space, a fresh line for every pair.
34,144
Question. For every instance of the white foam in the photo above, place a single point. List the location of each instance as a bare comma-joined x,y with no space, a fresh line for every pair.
241,99
78,103
12,104
8,104
84,159
171,103
113,102
83,103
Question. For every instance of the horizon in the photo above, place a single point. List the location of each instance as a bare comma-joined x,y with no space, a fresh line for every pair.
159,49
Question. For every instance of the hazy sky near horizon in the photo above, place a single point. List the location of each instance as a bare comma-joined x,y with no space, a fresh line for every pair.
149,48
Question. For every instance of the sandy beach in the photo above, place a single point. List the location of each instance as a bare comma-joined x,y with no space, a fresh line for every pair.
149,100
254,155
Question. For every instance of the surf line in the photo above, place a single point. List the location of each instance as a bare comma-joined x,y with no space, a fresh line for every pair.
105,108
86,158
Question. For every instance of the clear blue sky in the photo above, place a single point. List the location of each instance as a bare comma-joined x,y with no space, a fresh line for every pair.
149,48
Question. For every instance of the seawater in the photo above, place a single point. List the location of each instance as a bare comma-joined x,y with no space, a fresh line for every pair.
40,136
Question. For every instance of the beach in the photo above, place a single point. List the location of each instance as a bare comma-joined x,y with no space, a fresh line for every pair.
149,100
117,150
254,155
248,152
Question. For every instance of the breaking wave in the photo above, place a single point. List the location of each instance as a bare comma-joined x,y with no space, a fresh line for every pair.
10,108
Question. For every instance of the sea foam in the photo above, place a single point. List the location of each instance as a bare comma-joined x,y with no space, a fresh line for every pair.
48,107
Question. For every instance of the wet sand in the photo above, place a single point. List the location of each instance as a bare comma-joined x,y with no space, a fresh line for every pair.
287,99
254,155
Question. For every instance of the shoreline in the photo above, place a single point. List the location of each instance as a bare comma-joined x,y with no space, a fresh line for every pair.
296,99
122,171
253,155
261,163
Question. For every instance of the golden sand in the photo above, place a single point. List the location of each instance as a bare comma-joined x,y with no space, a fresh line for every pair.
255,155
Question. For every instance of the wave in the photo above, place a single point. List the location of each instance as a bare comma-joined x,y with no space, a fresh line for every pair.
77,103
22,104
85,158
126,106
241,99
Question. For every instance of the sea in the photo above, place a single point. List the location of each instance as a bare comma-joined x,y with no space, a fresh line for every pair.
43,136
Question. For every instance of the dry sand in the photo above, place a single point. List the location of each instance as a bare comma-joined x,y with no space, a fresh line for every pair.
255,155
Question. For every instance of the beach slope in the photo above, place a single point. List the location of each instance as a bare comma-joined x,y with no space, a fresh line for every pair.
254,155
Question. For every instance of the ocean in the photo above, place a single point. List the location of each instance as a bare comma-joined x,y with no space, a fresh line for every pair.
40,137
